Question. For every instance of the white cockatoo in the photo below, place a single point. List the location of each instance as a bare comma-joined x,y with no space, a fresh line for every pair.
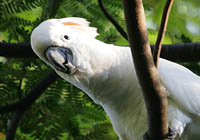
106,73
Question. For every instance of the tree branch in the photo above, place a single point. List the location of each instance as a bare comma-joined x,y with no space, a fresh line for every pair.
15,121
25,103
184,52
16,50
112,20
148,75
162,30
32,95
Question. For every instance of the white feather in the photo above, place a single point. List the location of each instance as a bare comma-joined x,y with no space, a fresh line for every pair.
183,85
107,74
81,25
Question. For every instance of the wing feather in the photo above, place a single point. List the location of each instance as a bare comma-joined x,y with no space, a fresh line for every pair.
183,85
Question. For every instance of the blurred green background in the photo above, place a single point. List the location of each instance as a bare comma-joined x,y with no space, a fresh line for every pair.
63,112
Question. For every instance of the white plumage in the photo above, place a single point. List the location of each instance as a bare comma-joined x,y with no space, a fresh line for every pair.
106,73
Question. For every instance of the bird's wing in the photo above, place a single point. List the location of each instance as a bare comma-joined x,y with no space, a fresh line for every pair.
182,84
79,25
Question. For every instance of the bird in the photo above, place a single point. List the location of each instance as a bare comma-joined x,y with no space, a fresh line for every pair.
106,73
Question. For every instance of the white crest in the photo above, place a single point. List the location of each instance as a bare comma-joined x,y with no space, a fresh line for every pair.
79,25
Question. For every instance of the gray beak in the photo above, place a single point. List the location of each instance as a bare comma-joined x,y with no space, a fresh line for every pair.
61,58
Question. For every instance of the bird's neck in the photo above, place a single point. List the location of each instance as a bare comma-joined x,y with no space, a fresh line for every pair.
107,65
114,85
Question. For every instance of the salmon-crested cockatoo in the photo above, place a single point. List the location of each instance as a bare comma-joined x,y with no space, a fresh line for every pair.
106,73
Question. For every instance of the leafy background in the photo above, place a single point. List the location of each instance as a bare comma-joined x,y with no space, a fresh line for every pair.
63,111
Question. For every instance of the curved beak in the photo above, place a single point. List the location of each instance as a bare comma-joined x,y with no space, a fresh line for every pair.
61,58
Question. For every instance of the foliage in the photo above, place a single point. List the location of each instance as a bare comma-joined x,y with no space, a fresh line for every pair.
183,18
63,111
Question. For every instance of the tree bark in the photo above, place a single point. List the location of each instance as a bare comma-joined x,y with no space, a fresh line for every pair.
162,30
148,75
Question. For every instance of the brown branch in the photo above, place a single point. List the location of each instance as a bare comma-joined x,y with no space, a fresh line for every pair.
32,95
148,75
112,20
162,30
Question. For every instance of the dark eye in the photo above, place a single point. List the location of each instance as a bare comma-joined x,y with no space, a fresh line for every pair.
66,37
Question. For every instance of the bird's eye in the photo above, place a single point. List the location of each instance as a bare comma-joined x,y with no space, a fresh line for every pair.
66,37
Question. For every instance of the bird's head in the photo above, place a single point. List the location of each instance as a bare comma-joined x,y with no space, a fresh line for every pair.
61,43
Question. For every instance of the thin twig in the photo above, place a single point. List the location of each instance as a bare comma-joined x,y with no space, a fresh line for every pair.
112,20
161,34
